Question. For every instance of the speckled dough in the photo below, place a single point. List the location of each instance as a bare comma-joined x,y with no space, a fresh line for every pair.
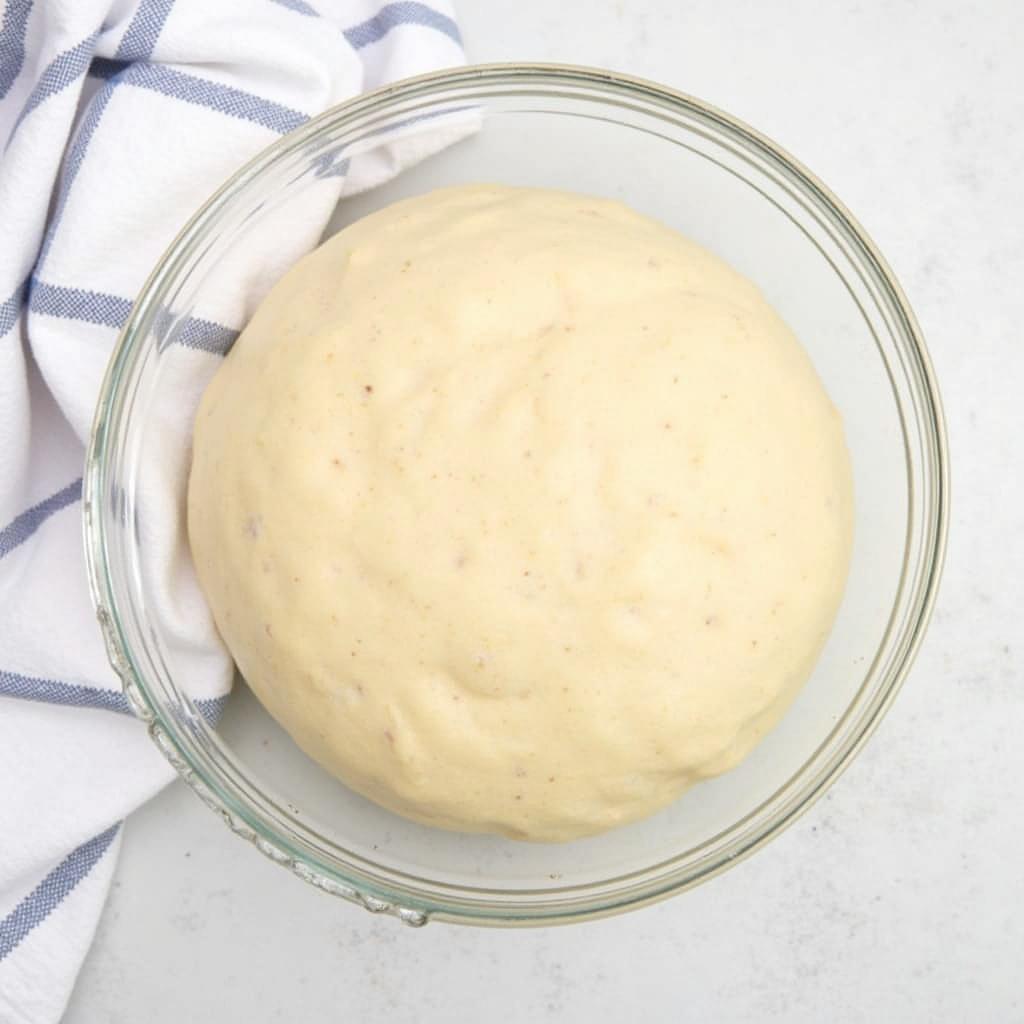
519,511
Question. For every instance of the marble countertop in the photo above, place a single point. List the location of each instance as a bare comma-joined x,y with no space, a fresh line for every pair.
897,897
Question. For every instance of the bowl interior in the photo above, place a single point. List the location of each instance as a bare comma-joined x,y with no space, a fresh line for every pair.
698,173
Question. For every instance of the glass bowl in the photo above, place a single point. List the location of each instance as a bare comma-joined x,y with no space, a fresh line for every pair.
669,156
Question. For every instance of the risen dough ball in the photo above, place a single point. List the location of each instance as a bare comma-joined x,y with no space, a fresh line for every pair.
519,511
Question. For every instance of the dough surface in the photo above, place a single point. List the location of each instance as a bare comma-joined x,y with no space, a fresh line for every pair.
519,511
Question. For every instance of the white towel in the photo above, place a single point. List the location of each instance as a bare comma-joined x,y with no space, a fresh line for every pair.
117,119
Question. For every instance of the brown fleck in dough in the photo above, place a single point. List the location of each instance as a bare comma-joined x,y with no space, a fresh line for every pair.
430,345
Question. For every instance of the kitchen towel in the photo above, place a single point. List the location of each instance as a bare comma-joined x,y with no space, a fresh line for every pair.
117,120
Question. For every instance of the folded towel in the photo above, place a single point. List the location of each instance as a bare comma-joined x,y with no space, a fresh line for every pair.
117,120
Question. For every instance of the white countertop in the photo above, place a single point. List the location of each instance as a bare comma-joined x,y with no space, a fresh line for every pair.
896,898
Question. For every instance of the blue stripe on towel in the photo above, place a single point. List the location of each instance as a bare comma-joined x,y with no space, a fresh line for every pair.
78,304
201,92
405,12
76,695
144,29
224,99
299,7
88,306
23,526
205,335
10,308
52,890
12,42
50,691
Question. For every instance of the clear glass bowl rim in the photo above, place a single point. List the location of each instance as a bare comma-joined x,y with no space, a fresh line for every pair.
481,906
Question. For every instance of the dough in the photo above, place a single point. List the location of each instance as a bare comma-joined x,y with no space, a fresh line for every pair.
520,512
